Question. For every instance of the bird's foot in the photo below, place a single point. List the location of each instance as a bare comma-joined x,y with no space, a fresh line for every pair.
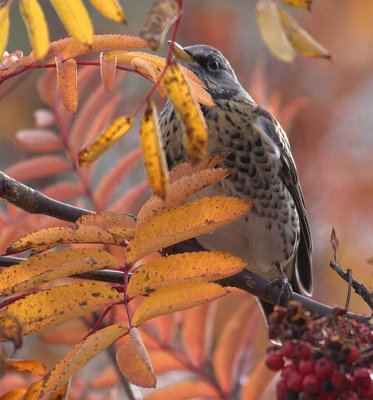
282,282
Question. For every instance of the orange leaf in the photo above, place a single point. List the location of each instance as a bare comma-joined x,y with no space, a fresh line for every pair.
240,327
47,267
195,327
179,191
185,391
104,379
64,190
160,18
166,361
177,268
299,3
32,366
108,68
67,83
189,112
78,356
108,184
257,382
38,140
45,309
154,158
38,167
184,222
175,298
134,362
69,333
48,238
10,328
111,135
15,394
108,220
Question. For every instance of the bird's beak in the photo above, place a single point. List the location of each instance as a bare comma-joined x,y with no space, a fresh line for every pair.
179,52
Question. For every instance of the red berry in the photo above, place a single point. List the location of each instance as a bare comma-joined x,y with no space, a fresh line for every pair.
352,396
323,368
302,350
274,361
281,388
288,349
311,384
306,367
362,378
353,355
366,393
339,380
288,370
294,381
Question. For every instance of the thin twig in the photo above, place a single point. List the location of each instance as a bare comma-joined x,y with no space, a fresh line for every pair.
348,299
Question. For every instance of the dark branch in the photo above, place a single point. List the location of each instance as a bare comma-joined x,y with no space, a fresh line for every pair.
35,202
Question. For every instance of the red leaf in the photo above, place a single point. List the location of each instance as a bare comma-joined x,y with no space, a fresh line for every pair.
130,200
64,190
38,167
38,140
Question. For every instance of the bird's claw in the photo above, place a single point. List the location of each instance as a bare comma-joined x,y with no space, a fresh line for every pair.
282,282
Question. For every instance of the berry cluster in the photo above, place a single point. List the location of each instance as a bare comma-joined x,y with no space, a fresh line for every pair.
322,358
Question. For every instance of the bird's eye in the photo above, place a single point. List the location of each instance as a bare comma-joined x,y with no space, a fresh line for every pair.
213,65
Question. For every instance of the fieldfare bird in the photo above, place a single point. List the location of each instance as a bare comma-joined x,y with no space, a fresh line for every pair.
274,236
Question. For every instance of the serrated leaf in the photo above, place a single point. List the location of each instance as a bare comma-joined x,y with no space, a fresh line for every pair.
154,158
175,298
37,28
45,309
111,135
110,9
75,19
193,389
179,191
107,69
67,78
203,266
10,328
4,28
184,222
300,38
134,362
78,356
47,267
189,111
160,18
33,367
272,31
48,238
299,3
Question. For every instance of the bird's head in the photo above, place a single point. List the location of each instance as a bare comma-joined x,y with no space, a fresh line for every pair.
212,68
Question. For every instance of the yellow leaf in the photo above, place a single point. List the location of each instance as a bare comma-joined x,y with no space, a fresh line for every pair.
179,191
54,306
47,267
299,3
184,222
175,298
10,328
48,238
75,19
15,394
134,362
300,38
201,266
257,382
154,158
149,68
33,391
78,356
37,28
186,390
4,28
189,112
31,366
111,135
110,9
108,220
67,83
107,69
272,31
160,18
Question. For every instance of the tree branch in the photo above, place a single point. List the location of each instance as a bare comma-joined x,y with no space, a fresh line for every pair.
35,202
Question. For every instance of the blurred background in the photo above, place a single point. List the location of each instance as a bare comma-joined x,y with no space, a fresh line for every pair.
325,106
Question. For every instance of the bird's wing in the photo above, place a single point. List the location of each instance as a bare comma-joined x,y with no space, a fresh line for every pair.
288,172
